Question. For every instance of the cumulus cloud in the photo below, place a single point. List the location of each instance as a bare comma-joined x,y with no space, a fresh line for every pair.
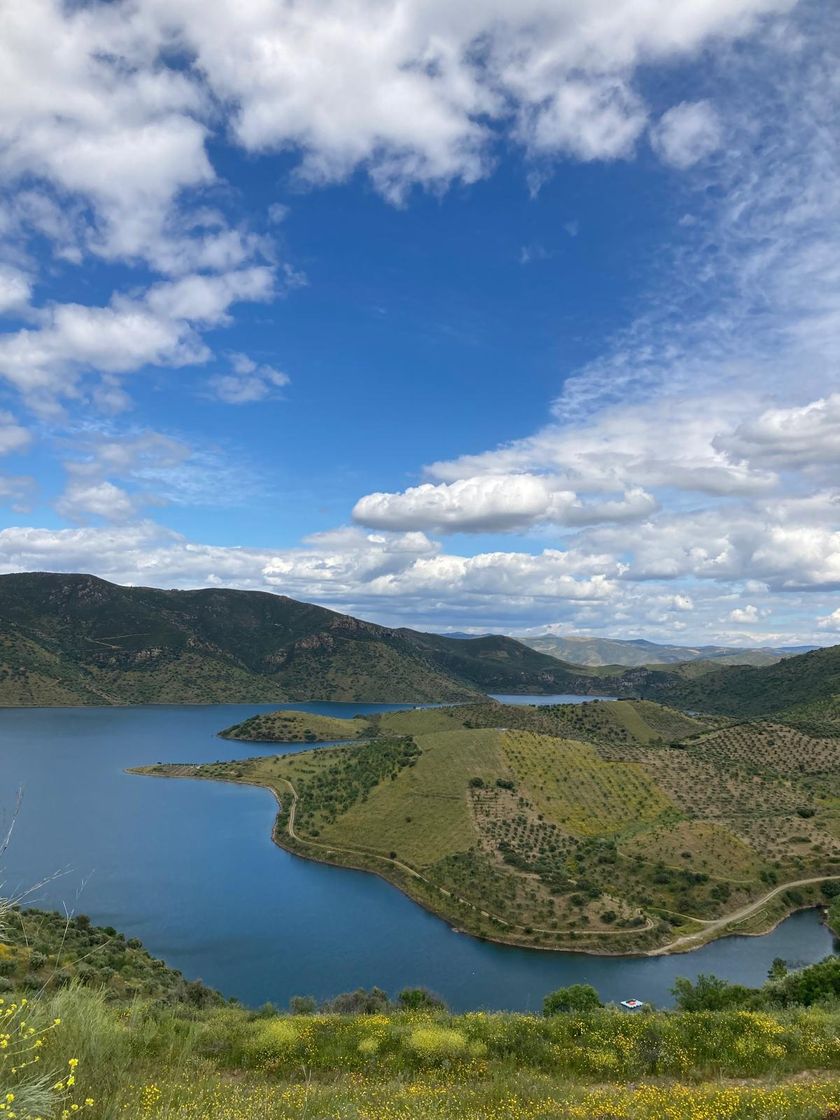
406,578
414,92
802,436
748,614
493,503
673,493
687,133
84,498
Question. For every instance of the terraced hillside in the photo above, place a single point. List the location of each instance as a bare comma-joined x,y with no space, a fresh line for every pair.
611,827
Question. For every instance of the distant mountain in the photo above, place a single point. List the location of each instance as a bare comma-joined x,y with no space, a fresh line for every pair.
77,639
617,651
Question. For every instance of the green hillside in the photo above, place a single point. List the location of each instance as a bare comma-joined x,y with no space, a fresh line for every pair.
803,691
76,639
612,827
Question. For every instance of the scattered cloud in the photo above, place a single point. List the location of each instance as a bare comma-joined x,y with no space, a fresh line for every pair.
84,498
15,289
247,381
747,615
47,362
687,133
13,437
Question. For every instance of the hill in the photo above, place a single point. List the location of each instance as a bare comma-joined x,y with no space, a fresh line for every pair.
803,691
632,652
42,950
76,639
608,827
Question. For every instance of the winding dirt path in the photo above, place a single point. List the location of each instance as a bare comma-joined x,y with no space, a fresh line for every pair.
711,926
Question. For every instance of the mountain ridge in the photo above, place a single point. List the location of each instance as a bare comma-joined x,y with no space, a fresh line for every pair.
78,639
631,652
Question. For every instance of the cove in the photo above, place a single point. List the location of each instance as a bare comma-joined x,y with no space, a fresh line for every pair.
189,867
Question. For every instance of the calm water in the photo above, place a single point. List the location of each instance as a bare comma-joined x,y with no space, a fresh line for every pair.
190,868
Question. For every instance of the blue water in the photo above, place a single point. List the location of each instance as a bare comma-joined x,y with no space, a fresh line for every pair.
189,867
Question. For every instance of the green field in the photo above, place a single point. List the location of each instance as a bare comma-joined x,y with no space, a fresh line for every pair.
610,827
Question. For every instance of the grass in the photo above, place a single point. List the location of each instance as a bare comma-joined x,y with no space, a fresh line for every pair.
762,1054
147,1063
425,813
701,845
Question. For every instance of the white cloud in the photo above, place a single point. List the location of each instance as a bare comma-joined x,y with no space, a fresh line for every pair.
406,578
247,381
687,133
83,498
15,289
799,437
16,491
115,475
493,503
687,467
747,615
13,437
413,92
831,622
598,119
159,328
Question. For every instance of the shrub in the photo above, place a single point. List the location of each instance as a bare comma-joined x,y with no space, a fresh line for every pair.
438,1044
274,1041
302,1005
420,999
577,997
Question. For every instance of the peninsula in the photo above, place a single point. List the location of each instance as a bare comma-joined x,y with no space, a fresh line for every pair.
605,827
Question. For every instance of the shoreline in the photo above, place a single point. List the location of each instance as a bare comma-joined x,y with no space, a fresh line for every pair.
663,951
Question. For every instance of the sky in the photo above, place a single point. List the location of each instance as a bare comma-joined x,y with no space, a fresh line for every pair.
517,315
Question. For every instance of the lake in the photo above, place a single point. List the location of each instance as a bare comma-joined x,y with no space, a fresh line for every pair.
189,867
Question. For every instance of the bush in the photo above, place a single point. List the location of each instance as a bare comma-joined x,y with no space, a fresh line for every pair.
577,997
420,999
302,1005
709,993
360,1002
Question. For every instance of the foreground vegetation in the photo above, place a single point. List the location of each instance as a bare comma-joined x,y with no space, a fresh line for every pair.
179,1063
608,827
82,1045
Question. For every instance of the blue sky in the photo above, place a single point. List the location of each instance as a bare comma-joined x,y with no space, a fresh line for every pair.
514,317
